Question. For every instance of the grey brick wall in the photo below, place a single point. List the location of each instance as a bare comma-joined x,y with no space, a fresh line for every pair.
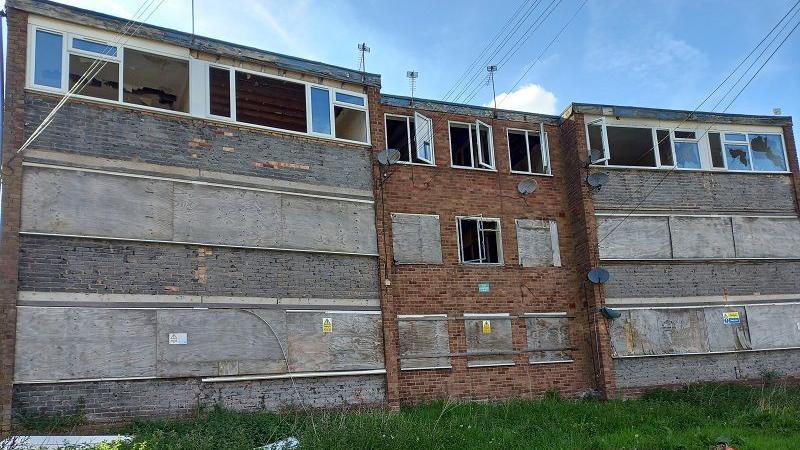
671,370
105,401
706,278
696,191
128,134
119,267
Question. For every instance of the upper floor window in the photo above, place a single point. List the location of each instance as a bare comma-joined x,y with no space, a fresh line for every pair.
412,137
479,240
752,151
47,61
471,145
528,152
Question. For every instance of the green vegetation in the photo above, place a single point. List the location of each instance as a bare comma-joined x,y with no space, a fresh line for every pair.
698,416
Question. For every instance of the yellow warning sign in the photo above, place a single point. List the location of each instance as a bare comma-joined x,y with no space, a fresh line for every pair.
327,325
487,326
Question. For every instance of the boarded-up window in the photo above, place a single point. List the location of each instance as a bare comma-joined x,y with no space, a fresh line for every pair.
548,337
537,243
416,239
322,341
423,341
774,326
488,340
270,102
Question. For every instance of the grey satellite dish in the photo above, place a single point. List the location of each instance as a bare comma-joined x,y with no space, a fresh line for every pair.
388,157
599,275
527,187
609,313
597,180
597,156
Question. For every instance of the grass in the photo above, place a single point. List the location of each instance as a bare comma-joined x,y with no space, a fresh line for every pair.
698,416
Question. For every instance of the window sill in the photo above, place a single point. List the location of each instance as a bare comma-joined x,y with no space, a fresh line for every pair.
405,163
531,174
207,118
469,264
472,168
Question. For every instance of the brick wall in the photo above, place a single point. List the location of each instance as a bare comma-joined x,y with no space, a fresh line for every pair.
108,401
118,267
452,288
129,134
13,123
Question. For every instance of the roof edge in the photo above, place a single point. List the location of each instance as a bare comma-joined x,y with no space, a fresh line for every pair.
472,110
674,114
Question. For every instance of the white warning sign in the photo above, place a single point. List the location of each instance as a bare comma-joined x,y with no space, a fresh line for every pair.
178,339
327,325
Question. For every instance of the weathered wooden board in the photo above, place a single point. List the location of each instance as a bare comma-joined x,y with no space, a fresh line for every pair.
56,343
354,343
636,237
93,204
417,338
726,336
535,243
774,326
701,237
551,334
481,346
221,342
330,225
660,332
215,215
766,237
416,239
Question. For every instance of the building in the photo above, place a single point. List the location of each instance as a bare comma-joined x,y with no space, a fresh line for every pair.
206,223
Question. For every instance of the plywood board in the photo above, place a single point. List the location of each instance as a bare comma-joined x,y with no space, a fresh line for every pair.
221,342
660,332
93,204
701,237
551,335
330,225
535,243
416,239
634,238
481,345
417,338
766,237
774,326
726,336
355,341
56,343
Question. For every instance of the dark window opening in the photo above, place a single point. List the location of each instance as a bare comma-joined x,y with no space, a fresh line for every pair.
219,88
156,81
479,240
717,157
397,136
631,147
270,102
595,137
460,146
518,151
104,82
664,147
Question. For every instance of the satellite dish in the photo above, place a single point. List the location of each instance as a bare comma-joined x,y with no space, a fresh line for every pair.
609,313
597,156
598,275
597,180
388,157
527,187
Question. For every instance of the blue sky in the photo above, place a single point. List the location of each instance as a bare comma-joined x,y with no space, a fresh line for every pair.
667,53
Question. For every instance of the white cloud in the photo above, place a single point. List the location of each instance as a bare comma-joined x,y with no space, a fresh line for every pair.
530,98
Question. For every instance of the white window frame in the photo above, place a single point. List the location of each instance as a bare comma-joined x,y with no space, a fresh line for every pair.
747,134
480,219
429,123
409,138
490,140
543,146
231,91
198,108
696,140
473,127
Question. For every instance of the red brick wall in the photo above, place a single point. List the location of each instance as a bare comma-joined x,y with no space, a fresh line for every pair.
452,288
12,182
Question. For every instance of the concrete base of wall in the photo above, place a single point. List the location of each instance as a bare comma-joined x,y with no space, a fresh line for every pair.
638,374
112,401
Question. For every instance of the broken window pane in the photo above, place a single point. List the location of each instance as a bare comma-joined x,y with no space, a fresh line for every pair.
397,136
687,154
664,147
320,110
596,142
717,158
103,81
460,146
219,89
156,81
631,146
47,59
270,102
351,124
518,151
767,152
479,240
94,47
737,156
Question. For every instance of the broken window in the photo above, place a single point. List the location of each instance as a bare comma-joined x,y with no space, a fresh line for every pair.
528,152
664,147
350,117
102,80
595,133
47,59
479,240
156,81
270,102
471,145
403,135
759,152
219,91
629,146
687,151
717,158
320,110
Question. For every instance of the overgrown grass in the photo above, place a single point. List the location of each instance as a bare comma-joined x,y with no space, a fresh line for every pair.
698,416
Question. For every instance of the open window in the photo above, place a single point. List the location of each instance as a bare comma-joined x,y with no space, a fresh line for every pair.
402,135
423,138
527,152
596,140
479,240
471,145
